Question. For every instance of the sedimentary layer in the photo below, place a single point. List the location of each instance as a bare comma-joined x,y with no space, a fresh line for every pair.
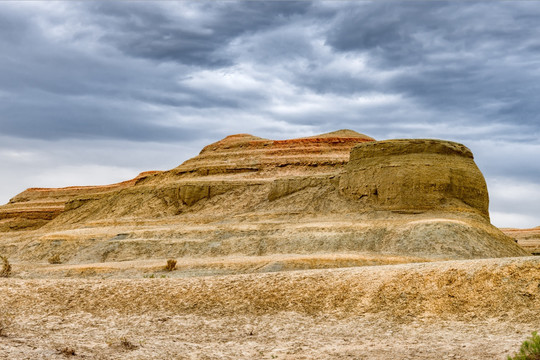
34,207
341,192
529,239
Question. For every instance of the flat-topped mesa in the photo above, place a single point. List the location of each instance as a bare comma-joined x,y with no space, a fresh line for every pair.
247,153
340,192
415,175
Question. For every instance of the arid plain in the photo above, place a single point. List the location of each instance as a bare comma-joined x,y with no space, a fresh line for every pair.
335,246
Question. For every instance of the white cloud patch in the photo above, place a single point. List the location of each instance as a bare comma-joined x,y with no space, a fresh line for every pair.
514,203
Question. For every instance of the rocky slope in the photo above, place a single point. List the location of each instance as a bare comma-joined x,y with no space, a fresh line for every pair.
254,198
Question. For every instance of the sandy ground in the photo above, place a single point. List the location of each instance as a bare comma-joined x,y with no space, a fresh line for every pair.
469,309
279,336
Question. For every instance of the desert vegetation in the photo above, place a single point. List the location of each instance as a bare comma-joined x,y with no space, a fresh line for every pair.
66,351
6,267
55,259
529,350
171,265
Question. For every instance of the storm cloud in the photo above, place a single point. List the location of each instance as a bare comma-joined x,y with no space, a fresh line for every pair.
97,91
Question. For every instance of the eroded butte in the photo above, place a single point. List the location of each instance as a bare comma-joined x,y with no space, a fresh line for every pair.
247,204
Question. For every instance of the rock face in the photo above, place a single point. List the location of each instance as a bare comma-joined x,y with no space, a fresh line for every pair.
244,153
415,175
336,193
35,207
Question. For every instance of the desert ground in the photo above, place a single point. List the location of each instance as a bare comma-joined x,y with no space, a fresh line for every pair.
459,309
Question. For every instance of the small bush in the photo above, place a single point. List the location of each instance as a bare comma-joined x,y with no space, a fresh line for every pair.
6,267
55,259
123,343
66,351
171,265
126,344
5,322
529,350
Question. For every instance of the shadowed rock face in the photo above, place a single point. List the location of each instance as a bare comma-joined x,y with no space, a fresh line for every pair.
341,192
415,175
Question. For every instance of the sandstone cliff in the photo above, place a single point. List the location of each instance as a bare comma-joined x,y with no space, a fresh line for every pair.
257,198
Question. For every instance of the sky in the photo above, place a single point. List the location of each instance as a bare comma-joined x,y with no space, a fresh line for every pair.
94,92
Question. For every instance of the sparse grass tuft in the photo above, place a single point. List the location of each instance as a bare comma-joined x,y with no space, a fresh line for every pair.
153,276
529,350
66,351
171,265
5,322
55,259
6,267
123,343
126,344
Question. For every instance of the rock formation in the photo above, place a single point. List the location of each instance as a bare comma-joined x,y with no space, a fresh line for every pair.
415,175
34,207
253,197
529,239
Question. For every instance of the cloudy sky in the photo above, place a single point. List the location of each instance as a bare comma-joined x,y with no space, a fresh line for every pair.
94,92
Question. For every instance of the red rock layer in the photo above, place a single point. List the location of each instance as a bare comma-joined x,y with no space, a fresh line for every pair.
36,206
234,154
248,153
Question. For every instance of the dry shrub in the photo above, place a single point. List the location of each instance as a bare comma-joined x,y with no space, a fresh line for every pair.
171,265
123,343
126,344
55,259
5,322
66,351
6,267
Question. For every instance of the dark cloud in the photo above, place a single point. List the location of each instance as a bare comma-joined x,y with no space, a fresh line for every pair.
73,123
389,31
470,59
153,32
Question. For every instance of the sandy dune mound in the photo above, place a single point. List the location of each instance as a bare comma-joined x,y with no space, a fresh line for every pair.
341,192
